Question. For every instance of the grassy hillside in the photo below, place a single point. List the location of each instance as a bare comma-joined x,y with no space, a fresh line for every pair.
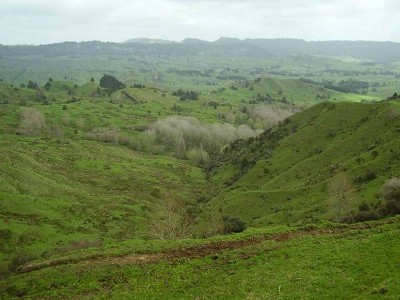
298,91
327,262
282,175
174,70
88,178
58,195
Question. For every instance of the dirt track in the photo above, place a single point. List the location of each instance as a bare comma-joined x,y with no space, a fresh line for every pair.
202,250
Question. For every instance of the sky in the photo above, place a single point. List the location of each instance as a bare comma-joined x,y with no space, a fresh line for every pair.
51,21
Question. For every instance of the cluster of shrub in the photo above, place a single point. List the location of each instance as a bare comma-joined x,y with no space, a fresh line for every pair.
138,86
233,225
186,95
268,99
389,206
191,73
344,86
34,86
394,97
231,77
323,97
31,85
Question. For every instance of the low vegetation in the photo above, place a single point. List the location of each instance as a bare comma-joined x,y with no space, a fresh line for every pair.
173,173
275,262
319,164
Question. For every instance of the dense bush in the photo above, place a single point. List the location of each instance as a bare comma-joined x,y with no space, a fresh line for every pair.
186,95
361,216
366,177
390,206
233,225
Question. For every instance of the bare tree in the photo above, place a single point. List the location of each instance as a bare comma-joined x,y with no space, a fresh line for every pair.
391,195
215,225
183,134
391,189
169,220
32,121
341,191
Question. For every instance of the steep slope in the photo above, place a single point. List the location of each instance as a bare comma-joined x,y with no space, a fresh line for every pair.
282,175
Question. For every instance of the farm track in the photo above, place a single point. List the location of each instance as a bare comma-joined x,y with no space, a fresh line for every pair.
200,251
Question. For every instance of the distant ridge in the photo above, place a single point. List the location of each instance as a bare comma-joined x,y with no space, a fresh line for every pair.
227,47
228,40
148,41
193,41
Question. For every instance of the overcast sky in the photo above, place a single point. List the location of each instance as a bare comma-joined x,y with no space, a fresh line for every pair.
49,21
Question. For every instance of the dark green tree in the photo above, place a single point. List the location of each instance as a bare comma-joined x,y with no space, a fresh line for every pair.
32,85
111,83
394,97
47,85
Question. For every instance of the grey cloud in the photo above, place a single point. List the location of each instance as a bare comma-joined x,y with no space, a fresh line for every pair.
46,21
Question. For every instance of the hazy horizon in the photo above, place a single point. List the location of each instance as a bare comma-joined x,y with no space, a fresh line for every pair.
180,41
47,22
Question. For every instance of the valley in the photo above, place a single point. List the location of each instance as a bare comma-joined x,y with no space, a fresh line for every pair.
128,167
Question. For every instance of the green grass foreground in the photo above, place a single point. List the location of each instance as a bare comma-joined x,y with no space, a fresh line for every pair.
357,261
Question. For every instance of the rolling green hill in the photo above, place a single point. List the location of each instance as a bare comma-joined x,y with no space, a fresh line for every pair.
89,180
204,66
284,90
